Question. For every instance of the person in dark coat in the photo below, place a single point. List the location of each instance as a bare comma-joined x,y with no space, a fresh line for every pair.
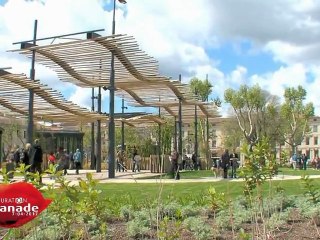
26,155
134,153
234,163
16,156
304,161
36,158
225,161
175,166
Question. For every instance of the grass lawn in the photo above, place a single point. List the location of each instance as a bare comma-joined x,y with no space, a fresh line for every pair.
297,172
192,191
209,173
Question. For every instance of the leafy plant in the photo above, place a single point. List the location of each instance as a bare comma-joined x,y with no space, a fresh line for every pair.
198,227
259,166
243,235
217,201
140,224
311,191
169,233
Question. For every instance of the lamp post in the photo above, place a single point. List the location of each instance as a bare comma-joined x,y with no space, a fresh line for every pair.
111,131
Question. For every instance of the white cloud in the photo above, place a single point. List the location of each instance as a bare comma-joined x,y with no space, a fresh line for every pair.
180,35
82,96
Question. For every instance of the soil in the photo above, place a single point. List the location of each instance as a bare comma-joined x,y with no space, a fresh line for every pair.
296,229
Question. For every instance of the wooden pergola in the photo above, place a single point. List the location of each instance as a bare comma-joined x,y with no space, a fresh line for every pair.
86,63
49,104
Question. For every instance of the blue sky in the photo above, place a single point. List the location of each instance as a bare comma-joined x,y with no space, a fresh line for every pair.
272,43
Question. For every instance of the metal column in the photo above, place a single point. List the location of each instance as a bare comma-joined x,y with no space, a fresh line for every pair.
196,133
98,163
31,96
160,168
180,125
93,164
207,142
111,130
122,125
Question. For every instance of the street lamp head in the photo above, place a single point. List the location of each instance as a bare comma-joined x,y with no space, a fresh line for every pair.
122,1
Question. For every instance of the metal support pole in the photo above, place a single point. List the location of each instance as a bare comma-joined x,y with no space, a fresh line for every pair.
175,134
98,164
180,125
31,96
159,144
207,142
0,146
196,132
122,126
93,164
111,131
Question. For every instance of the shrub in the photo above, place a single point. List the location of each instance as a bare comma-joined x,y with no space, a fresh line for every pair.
198,227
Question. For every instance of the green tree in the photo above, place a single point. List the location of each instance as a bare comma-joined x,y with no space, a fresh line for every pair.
202,89
255,111
167,133
12,134
295,115
232,134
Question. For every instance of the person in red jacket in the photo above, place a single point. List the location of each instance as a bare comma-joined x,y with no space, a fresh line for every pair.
51,159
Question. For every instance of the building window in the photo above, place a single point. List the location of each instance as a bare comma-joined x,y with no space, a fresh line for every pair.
214,143
24,134
315,141
315,128
307,141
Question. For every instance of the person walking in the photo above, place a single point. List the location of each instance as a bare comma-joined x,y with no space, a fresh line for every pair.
293,161
304,161
225,161
134,153
71,161
62,161
16,157
77,160
51,159
234,163
26,155
36,158
174,161
194,161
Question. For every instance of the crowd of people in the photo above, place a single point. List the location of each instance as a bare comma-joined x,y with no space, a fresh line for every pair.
135,160
301,162
32,157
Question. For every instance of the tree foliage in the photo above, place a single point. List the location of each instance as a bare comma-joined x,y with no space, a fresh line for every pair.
255,110
167,132
202,89
232,134
295,115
